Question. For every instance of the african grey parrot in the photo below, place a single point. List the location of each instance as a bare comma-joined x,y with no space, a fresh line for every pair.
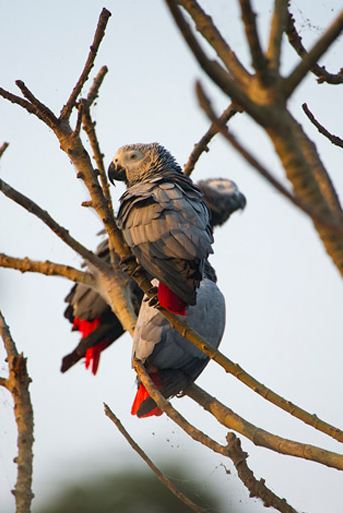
92,316
164,221
173,362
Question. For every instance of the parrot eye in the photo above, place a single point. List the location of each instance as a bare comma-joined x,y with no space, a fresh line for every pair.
133,156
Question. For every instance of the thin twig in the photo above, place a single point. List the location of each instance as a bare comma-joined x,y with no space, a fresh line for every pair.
332,138
309,59
48,268
99,34
320,71
261,437
256,488
259,60
202,145
89,127
331,223
162,477
165,405
3,148
278,24
18,384
59,230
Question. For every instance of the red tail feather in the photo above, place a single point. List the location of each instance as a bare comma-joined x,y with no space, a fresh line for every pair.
92,353
143,394
169,300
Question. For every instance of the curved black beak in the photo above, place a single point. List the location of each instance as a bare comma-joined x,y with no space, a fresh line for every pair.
116,172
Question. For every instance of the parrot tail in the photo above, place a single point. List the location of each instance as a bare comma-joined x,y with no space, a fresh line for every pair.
92,353
169,300
142,400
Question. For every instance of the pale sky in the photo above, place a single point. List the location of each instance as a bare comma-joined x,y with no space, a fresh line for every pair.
284,296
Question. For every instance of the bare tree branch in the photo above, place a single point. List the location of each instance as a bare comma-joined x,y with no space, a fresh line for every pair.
256,488
48,268
332,138
3,148
309,59
162,477
320,71
335,224
18,385
202,145
278,25
261,437
209,31
259,60
99,34
59,230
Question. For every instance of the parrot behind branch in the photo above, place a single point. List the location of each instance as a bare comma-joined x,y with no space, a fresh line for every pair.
89,313
173,362
164,221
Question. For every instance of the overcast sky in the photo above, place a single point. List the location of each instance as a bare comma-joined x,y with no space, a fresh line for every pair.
284,296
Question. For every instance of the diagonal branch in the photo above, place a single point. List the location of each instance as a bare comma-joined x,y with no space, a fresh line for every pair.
320,71
252,383
202,144
18,385
333,223
259,60
278,25
59,230
309,59
261,437
256,488
48,268
98,36
162,477
210,32
332,138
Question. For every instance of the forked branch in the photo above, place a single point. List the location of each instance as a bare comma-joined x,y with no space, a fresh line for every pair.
320,71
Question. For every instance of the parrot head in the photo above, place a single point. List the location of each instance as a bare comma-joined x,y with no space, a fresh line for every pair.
135,162
222,197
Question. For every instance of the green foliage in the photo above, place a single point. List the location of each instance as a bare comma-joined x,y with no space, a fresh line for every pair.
130,492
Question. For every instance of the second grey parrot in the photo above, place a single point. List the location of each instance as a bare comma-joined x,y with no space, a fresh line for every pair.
164,221
173,362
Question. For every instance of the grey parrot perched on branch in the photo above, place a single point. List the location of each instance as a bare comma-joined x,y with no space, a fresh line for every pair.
89,313
164,221
173,362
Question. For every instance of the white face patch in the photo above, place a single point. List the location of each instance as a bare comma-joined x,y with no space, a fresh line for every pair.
223,186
